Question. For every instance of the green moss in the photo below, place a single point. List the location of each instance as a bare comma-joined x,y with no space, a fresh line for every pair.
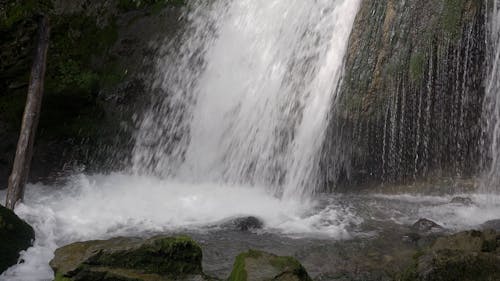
417,67
60,277
172,256
288,266
76,41
16,11
239,272
15,236
451,17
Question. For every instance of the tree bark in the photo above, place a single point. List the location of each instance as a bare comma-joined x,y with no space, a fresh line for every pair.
24,152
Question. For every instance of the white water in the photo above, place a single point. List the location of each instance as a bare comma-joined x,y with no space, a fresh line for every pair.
101,207
492,100
452,216
248,100
236,124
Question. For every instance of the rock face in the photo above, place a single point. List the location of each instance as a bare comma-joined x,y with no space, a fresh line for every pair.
261,266
158,258
411,99
466,256
15,236
97,52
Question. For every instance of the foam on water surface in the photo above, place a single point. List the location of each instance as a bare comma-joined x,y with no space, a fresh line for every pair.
101,207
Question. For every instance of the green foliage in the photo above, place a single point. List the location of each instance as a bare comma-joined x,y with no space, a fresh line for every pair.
16,11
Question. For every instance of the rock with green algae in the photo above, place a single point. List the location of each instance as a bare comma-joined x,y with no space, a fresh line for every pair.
260,266
466,256
126,259
15,236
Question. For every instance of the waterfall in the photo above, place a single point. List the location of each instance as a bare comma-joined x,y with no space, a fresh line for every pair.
247,98
492,101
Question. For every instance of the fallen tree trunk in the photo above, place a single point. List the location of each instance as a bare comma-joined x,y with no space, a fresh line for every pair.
24,152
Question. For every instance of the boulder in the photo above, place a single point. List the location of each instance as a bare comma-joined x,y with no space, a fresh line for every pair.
493,224
15,236
466,256
425,225
244,224
260,266
158,258
462,201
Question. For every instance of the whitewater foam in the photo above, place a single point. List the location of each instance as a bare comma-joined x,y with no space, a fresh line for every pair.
101,207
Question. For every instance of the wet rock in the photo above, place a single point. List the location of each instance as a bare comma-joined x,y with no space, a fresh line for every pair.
412,237
469,255
462,200
158,258
260,266
425,225
493,224
15,236
244,224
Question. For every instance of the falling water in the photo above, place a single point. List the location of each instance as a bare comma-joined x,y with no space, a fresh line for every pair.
492,101
247,100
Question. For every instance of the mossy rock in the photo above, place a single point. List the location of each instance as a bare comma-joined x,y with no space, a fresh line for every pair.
466,256
260,266
158,258
15,236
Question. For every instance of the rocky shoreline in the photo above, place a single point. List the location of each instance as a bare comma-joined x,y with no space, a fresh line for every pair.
426,252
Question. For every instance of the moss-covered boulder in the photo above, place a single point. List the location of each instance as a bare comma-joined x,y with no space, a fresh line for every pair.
15,236
466,256
158,258
260,266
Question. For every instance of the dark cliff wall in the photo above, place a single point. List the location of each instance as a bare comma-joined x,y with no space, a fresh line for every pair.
94,77
412,94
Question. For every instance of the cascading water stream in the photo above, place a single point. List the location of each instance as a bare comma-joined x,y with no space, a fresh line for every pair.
248,100
241,99
491,109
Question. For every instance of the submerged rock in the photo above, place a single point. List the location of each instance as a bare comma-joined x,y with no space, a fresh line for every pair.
158,258
462,200
425,225
493,224
469,255
260,266
15,236
244,224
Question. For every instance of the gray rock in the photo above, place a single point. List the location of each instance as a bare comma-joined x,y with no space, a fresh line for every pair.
15,236
425,225
493,224
469,256
158,258
241,224
462,200
260,266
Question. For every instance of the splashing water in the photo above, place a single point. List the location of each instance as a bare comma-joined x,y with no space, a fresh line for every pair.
102,207
491,106
238,116
249,99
